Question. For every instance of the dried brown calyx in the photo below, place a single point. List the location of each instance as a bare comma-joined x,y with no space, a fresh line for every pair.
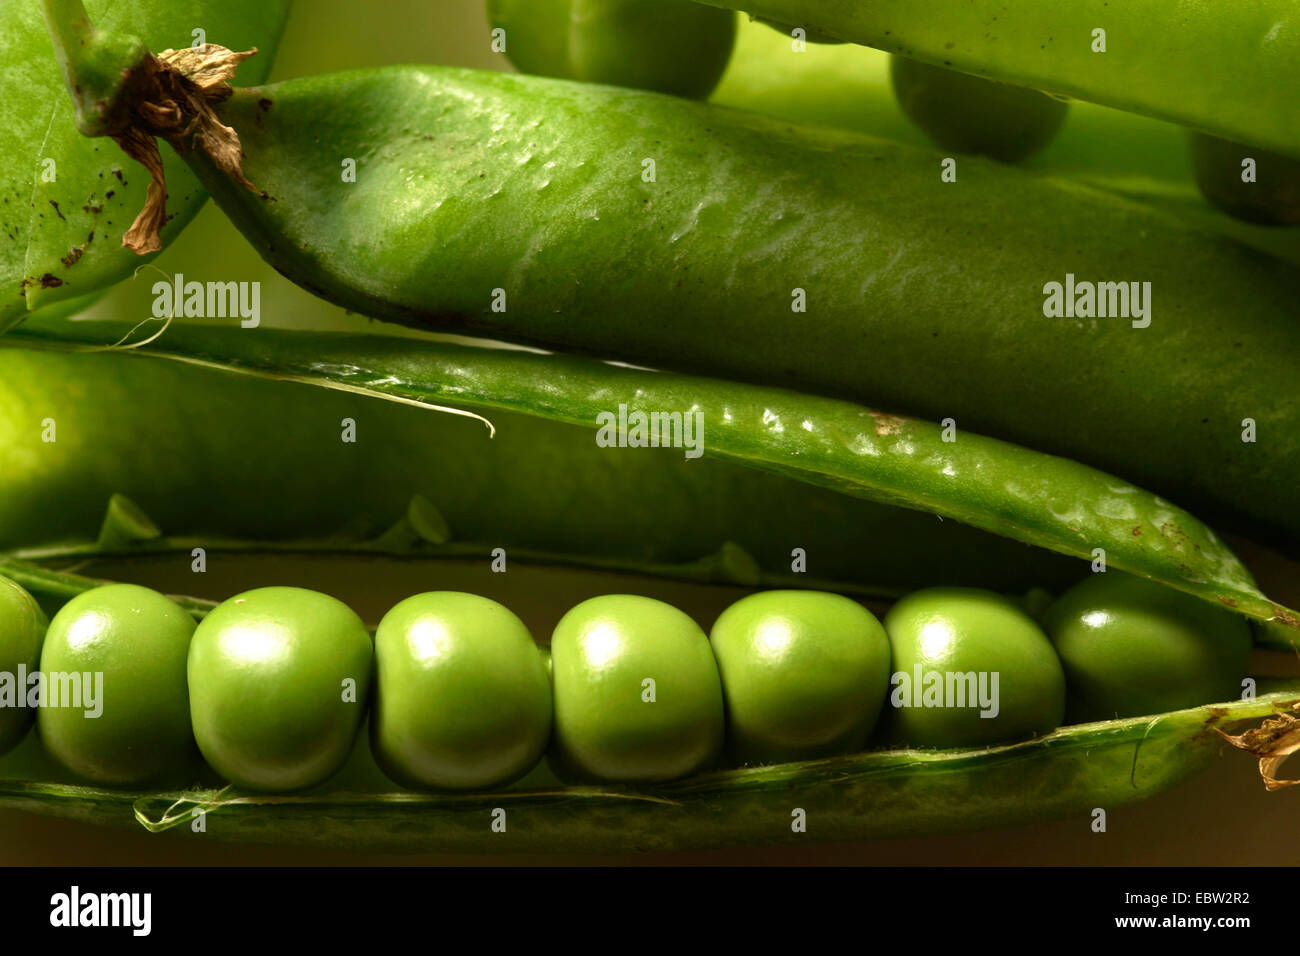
171,96
1272,742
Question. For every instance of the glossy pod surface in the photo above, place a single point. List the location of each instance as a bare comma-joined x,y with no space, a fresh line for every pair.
22,631
1049,502
637,696
279,682
126,645
462,697
636,508
544,191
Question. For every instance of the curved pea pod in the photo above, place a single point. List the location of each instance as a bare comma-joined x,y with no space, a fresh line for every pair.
1229,75
835,445
859,797
679,235
820,443
75,478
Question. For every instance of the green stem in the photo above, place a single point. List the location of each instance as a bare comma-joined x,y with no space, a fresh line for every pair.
96,66
61,586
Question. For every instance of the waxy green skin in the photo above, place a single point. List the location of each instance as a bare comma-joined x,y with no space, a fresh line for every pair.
602,652
1189,63
970,114
960,630
462,697
670,46
535,187
1272,199
804,675
22,631
1052,503
644,509
269,702
138,640
1131,647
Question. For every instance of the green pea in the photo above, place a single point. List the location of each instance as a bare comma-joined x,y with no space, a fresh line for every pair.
969,114
114,705
1272,199
670,46
804,675
22,630
463,699
279,681
1131,647
960,653
637,694
536,35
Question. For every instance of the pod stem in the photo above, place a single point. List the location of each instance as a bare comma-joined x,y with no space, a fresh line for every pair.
123,91
1273,741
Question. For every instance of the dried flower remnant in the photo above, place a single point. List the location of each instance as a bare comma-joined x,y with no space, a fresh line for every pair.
172,98
1272,742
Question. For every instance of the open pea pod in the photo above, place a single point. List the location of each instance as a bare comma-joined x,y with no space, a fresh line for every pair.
66,200
1049,502
1229,71
802,452
863,796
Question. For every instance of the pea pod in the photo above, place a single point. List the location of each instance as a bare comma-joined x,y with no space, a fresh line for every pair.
1049,502
534,192
848,86
419,483
908,791
1095,50
859,797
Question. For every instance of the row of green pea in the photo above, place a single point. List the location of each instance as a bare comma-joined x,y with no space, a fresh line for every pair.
273,684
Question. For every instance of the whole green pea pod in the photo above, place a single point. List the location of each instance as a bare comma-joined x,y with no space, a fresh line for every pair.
671,46
801,452
678,235
1230,74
